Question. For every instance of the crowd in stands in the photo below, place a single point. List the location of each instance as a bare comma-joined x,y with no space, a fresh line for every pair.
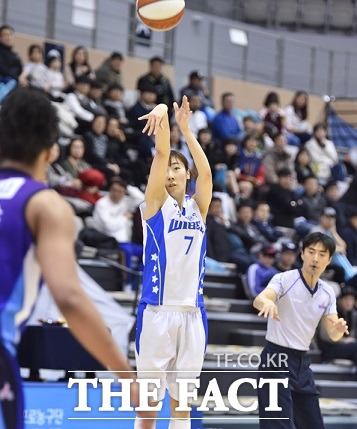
276,176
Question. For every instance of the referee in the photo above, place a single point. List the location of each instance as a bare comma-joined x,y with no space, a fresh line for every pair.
294,302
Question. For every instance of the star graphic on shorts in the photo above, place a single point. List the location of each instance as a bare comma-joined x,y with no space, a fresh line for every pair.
200,290
155,268
154,257
154,279
155,289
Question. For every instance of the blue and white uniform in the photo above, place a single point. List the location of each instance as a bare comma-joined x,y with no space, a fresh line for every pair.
20,280
171,324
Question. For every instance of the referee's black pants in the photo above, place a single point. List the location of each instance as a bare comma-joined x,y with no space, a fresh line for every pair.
299,401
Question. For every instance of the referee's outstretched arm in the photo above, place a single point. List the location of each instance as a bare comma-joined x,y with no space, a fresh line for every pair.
265,303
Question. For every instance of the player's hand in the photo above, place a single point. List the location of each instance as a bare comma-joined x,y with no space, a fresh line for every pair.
154,119
183,113
340,326
269,309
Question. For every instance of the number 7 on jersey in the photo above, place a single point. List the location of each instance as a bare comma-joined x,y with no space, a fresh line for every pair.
190,239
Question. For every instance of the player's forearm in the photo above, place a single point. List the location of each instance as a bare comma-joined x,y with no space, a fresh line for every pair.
162,137
88,327
197,152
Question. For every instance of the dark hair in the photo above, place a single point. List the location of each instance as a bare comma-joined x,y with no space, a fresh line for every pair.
156,60
118,181
179,156
32,48
302,112
116,56
114,86
28,125
6,27
329,185
72,64
302,150
271,97
309,176
226,95
247,137
73,139
214,199
319,237
319,125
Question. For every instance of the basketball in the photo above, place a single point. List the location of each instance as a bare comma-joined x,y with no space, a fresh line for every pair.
160,15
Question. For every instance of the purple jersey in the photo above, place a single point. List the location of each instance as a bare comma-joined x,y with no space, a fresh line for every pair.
20,275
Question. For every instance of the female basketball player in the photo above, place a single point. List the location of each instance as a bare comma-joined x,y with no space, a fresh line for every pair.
171,323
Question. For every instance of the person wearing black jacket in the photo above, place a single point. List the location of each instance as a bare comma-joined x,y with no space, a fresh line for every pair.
10,62
284,204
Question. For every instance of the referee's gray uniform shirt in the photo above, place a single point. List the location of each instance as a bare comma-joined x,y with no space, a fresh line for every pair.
300,309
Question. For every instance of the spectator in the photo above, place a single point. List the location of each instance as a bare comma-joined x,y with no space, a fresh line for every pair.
224,124
332,197
346,347
74,162
113,216
252,239
96,147
296,115
349,234
303,166
262,223
196,86
222,244
160,83
313,203
198,119
208,145
274,119
79,104
260,273
56,79
10,62
277,158
323,153
144,105
284,204
35,73
250,163
78,66
287,258
95,97
110,71
114,105
327,225
133,171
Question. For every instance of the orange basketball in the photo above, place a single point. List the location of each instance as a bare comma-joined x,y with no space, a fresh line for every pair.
160,15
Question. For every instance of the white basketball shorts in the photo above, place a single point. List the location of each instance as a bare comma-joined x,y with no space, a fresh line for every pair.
170,344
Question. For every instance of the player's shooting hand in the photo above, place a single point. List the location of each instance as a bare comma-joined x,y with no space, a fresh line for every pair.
154,119
340,326
183,113
269,309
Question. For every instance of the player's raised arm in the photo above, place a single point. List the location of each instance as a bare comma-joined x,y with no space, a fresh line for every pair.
157,125
203,192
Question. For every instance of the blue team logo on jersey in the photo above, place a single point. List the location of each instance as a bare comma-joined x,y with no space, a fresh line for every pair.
176,225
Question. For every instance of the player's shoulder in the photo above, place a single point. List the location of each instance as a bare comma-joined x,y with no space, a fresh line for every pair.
49,202
325,287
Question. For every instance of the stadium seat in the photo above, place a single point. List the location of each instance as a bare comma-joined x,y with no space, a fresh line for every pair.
342,15
314,13
287,13
257,11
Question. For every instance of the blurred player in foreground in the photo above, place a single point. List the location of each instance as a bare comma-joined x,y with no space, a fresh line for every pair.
37,239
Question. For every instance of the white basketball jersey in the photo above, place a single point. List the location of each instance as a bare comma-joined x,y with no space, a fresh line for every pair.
174,255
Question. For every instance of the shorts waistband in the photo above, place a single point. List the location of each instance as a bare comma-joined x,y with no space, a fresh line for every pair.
172,308
287,350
